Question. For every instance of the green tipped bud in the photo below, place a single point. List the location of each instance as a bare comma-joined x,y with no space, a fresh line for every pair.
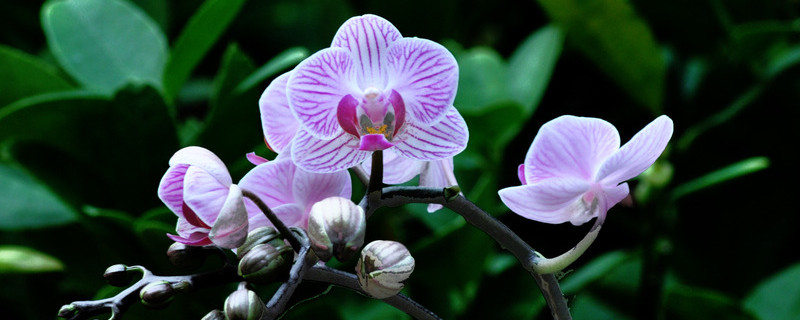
67,311
118,275
157,294
383,268
266,263
187,257
259,236
336,228
214,315
244,304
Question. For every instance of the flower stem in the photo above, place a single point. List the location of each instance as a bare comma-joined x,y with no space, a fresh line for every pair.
350,281
291,237
375,186
553,265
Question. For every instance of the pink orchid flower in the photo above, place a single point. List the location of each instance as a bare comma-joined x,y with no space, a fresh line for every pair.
575,169
371,90
210,208
289,191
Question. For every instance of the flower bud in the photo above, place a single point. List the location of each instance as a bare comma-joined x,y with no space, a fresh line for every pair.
244,304
258,236
383,268
336,227
67,311
266,263
214,315
183,256
157,294
117,275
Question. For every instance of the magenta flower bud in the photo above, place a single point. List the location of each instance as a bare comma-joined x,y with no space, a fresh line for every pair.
157,294
244,304
383,268
336,228
117,275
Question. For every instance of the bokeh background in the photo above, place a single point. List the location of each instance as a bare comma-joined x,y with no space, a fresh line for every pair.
96,95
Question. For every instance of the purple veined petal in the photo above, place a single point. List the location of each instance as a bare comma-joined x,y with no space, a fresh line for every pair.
638,154
277,120
425,75
396,169
521,174
309,187
437,173
230,229
317,155
570,147
346,114
203,194
255,159
367,38
271,182
441,140
170,189
315,88
185,228
549,201
194,239
205,159
374,142
291,214
612,196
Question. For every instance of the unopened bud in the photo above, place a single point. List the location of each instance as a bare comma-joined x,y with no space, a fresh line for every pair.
214,315
67,311
117,275
383,268
183,256
266,263
244,304
259,236
336,228
157,294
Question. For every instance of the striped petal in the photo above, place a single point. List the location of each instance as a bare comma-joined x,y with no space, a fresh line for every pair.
441,140
425,74
570,147
203,194
318,155
367,38
310,187
396,169
292,215
277,120
230,229
315,88
438,174
270,181
638,154
170,189
205,159
549,201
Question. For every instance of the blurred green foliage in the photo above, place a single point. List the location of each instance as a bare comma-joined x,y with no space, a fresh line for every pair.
96,95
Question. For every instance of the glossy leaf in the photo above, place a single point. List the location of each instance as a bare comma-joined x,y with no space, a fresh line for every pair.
105,44
618,41
25,75
27,203
732,171
686,302
777,296
196,39
482,80
592,271
532,64
18,259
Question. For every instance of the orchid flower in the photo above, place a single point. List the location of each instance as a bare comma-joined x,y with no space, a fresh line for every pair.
210,208
371,90
289,191
575,169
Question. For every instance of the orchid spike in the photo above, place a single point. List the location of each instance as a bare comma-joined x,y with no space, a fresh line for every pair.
575,169
371,90
210,208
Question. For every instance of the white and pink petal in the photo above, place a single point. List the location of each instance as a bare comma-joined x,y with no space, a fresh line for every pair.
638,154
170,189
549,201
230,229
277,120
319,155
441,140
271,182
205,159
396,169
367,39
203,194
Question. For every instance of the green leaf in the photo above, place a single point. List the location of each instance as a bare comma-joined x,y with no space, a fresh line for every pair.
105,44
283,60
687,302
17,259
482,80
593,271
616,39
498,125
198,36
27,203
587,306
777,297
732,171
532,64
25,75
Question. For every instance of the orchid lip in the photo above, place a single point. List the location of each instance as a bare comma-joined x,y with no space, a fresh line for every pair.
376,113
